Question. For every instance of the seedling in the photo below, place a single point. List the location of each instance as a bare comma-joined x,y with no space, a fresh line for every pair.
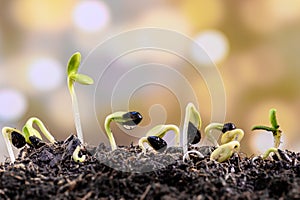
73,77
274,128
281,155
232,135
29,136
28,130
157,143
191,127
161,130
76,156
15,137
225,151
128,120
229,130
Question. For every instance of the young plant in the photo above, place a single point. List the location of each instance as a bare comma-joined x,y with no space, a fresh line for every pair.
225,151
29,131
73,77
274,128
156,142
15,137
229,130
161,130
232,135
128,120
29,135
76,156
191,127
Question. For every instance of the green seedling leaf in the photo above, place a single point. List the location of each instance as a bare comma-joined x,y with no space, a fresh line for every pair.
261,127
74,63
273,119
82,79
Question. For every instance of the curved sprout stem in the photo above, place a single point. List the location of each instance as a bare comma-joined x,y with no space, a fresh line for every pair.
110,136
233,135
28,130
161,130
75,155
208,130
269,151
141,144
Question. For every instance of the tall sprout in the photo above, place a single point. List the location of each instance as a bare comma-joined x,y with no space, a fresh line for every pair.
73,77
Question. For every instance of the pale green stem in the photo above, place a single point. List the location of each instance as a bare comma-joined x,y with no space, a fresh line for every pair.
236,134
110,136
5,132
141,143
208,130
277,136
75,156
75,108
33,131
269,151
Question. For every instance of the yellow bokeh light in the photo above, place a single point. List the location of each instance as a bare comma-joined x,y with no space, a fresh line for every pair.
202,13
46,15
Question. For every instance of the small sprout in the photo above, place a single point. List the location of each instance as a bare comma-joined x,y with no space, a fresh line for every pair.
15,137
269,151
128,120
274,128
187,157
76,156
161,130
29,135
232,135
73,77
191,127
157,143
28,130
218,126
225,151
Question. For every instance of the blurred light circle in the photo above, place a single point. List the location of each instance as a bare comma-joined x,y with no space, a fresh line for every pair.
91,15
45,74
214,43
13,105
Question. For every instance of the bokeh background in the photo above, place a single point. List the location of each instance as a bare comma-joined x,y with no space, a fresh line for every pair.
255,45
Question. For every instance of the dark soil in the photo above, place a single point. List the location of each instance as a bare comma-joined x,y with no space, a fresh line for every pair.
48,172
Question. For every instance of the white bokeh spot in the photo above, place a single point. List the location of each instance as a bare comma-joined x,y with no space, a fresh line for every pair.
215,43
45,74
91,15
13,105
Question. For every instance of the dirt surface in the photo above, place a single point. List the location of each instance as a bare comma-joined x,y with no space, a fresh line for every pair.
48,172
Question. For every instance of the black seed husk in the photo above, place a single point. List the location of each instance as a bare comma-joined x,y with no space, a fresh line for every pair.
134,118
36,142
194,135
228,127
17,139
157,143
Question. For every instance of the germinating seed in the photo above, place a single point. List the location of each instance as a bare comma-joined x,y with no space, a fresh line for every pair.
228,127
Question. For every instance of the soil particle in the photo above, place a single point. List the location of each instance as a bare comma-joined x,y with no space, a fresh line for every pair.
49,172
